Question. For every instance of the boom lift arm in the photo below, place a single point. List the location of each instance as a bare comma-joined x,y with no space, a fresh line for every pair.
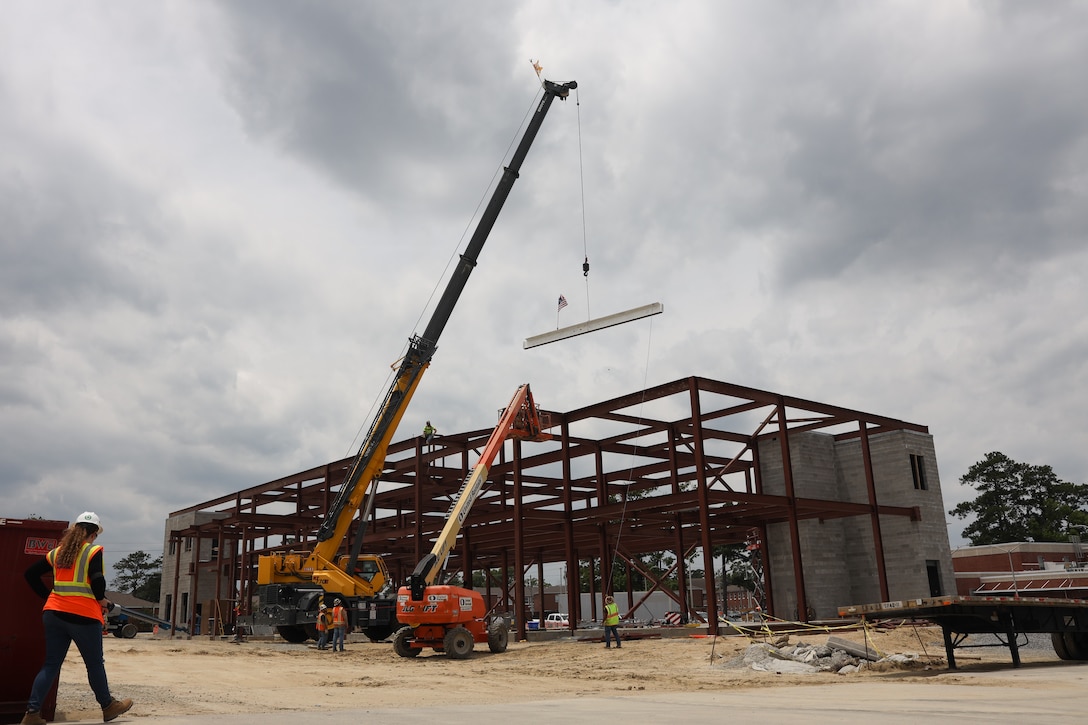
452,618
520,419
321,566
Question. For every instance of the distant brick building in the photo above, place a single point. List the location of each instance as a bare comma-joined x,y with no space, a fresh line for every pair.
1035,569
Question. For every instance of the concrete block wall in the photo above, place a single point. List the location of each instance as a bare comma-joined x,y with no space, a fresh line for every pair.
170,562
908,545
838,555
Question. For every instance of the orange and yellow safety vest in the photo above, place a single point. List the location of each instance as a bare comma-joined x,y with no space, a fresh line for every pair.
72,586
611,614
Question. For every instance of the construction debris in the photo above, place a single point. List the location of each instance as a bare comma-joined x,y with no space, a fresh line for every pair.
815,658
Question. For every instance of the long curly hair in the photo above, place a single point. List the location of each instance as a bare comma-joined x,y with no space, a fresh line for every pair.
71,543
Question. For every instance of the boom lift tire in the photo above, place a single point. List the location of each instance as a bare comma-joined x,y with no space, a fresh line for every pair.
498,635
125,631
458,643
401,643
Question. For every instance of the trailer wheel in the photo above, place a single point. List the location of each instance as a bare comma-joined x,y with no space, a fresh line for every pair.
458,643
129,631
498,636
1057,639
1076,643
1075,646
402,643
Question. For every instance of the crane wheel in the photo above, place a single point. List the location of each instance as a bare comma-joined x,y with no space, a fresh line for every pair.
458,643
402,643
293,633
498,636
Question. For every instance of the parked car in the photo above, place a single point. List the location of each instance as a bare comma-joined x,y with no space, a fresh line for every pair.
555,620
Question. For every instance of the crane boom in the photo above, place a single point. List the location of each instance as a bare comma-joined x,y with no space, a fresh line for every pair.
520,419
288,596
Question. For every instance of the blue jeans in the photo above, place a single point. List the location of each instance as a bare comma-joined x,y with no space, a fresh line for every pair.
58,636
323,639
614,631
338,638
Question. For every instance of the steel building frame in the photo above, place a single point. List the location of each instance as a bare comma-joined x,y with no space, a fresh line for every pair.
673,468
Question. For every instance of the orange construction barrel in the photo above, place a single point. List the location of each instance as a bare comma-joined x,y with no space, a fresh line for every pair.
22,641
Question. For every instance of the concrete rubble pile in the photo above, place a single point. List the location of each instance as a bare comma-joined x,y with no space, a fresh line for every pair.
837,655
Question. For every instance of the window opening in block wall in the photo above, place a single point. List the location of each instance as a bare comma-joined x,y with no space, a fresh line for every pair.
918,471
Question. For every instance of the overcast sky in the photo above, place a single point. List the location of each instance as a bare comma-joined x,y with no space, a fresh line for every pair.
221,222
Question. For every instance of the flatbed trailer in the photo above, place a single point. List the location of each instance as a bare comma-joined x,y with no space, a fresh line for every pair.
1065,620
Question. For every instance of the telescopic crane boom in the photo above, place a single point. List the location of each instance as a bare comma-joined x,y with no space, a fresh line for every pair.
292,584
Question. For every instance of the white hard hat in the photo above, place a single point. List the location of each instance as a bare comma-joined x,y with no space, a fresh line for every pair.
90,517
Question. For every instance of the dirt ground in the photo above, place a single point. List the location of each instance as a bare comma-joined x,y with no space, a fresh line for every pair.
171,677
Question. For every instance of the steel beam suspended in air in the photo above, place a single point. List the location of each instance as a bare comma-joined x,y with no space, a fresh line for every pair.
637,313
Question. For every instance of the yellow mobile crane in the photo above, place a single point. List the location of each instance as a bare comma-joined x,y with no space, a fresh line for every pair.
291,584
449,618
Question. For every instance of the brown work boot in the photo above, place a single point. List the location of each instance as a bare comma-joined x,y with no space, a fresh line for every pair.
115,709
33,718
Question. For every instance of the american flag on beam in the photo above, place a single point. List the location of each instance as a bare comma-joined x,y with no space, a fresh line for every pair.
562,302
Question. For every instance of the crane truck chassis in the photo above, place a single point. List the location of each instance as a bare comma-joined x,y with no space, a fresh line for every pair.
291,584
1065,620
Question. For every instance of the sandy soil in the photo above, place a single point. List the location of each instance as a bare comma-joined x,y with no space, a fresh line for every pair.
203,675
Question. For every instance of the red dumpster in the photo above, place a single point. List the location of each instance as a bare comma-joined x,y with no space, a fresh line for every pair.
22,642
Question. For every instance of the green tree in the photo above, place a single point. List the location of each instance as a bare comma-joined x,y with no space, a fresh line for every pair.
139,575
149,590
1020,502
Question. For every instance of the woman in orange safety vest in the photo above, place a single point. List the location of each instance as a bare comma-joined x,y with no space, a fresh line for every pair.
73,613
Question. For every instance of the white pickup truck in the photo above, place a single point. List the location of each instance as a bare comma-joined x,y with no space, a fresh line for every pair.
555,620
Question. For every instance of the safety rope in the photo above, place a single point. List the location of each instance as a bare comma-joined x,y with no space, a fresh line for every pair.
631,467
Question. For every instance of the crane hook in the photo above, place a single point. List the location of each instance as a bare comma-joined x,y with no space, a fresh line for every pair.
585,267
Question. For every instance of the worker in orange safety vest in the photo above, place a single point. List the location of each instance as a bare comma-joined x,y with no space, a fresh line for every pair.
339,626
324,622
73,612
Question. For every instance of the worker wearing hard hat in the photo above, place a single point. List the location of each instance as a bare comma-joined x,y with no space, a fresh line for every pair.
324,621
611,622
73,612
339,626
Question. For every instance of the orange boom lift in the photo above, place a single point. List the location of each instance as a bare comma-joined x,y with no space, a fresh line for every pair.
448,618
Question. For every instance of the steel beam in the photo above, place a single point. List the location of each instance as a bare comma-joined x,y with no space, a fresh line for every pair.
599,323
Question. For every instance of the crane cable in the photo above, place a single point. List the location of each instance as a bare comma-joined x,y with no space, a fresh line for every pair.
582,188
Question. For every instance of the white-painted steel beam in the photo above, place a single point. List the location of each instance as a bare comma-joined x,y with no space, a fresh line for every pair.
600,323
